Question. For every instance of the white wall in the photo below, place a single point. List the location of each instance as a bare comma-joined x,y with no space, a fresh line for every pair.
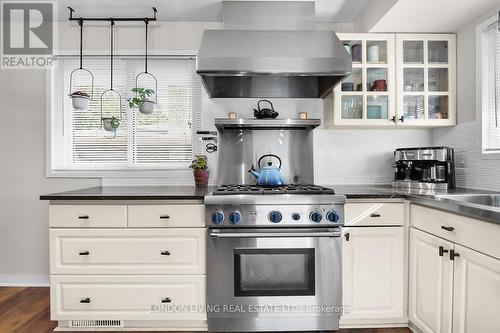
341,156
478,170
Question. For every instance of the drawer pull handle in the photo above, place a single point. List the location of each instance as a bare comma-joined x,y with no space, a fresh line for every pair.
375,215
164,217
85,300
347,236
166,300
84,253
165,253
447,228
442,251
453,254
83,217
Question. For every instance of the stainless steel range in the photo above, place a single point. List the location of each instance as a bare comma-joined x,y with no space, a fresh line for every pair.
274,258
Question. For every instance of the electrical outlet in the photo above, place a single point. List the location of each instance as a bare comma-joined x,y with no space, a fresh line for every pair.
460,161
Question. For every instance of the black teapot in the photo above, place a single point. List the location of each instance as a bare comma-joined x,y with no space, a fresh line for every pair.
265,113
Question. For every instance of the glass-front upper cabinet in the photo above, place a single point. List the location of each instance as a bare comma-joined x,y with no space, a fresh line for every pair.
367,95
425,66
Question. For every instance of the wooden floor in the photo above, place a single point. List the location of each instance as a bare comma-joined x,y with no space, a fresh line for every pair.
26,310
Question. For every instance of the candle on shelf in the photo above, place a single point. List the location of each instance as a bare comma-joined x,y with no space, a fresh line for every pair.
232,115
302,115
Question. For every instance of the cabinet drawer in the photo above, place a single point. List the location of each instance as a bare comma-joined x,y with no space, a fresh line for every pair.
87,216
479,235
374,213
127,251
173,216
115,297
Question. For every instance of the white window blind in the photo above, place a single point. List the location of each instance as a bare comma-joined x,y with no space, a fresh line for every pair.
162,140
490,73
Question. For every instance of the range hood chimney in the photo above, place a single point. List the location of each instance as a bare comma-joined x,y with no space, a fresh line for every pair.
271,49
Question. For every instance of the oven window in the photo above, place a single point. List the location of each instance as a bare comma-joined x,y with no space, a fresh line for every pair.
274,272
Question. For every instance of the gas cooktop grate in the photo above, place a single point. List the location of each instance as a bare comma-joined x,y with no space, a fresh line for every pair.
232,189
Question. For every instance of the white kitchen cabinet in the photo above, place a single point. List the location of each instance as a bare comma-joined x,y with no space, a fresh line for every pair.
431,283
373,275
397,80
476,297
426,80
367,95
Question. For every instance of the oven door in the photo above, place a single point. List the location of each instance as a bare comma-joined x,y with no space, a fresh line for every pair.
273,279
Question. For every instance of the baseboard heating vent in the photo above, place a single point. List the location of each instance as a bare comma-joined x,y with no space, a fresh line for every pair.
96,323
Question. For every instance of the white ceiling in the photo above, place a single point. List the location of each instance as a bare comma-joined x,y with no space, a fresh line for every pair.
434,15
196,10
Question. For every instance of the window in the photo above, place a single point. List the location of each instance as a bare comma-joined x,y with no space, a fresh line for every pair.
160,141
489,34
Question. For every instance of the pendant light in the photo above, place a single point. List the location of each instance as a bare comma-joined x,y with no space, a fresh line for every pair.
111,124
81,99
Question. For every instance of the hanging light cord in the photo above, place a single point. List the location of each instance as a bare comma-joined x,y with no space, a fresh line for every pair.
146,20
112,28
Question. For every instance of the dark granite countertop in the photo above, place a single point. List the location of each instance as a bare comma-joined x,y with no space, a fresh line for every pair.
423,197
132,193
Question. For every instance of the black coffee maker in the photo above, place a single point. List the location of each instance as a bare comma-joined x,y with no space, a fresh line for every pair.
424,168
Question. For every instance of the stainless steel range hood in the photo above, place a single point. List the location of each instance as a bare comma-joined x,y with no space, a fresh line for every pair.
277,62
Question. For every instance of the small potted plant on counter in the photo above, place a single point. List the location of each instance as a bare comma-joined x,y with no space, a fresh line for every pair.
142,100
200,171
81,100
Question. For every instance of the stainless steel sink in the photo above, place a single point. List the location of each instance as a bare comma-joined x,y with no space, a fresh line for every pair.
492,200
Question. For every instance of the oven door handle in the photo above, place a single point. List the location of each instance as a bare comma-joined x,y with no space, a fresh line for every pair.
273,234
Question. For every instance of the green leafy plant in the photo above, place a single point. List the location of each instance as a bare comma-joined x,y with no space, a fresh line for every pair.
199,163
80,93
142,94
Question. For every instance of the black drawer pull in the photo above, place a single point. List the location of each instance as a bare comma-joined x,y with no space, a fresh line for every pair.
166,300
347,236
84,253
165,253
164,217
442,251
447,228
375,215
83,217
85,300
453,254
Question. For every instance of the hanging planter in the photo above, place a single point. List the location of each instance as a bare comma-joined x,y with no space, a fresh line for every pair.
111,124
142,99
81,100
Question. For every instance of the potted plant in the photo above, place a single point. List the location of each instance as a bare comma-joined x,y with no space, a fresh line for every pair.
142,100
200,171
110,124
81,100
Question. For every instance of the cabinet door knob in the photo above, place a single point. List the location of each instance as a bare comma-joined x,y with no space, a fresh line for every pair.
402,119
83,217
164,217
84,253
85,300
447,228
442,251
165,253
347,236
375,215
393,119
166,300
453,254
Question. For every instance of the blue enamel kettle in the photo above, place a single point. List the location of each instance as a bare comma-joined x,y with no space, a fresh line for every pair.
268,175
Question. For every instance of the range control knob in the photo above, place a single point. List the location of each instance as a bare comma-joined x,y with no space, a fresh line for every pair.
333,216
295,216
217,217
235,217
275,216
315,217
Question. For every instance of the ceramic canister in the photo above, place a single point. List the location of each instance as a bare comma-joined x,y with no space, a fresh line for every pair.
373,55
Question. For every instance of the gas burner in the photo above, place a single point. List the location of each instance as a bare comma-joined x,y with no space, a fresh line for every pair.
231,189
